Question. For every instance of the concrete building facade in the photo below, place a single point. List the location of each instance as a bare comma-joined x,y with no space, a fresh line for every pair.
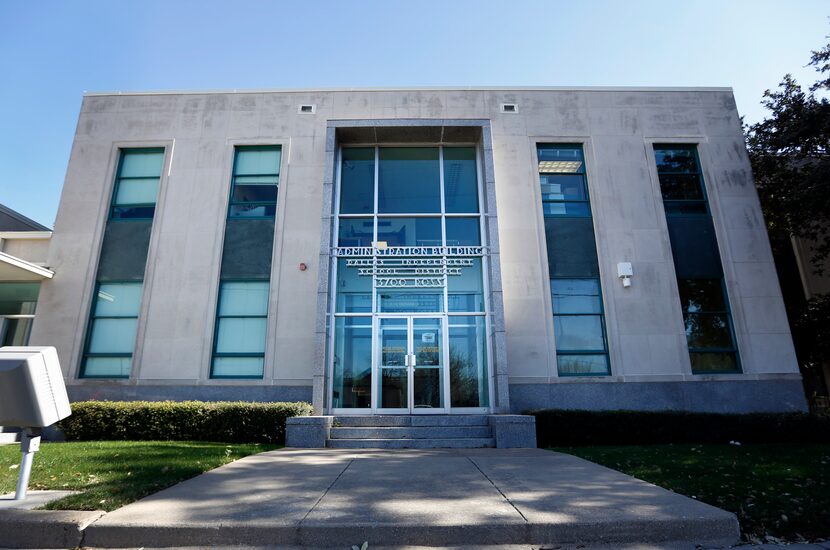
425,250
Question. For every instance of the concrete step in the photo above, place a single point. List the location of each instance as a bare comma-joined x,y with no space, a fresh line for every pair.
453,443
412,432
406,420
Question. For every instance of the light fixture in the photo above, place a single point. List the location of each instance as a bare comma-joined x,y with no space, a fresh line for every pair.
625,272
559,166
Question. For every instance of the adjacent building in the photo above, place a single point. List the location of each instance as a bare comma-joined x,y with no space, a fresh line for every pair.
416,251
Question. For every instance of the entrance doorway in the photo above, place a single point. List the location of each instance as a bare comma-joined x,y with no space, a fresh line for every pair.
410,362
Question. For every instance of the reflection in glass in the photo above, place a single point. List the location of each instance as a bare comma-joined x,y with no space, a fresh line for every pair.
579,332
465,292
427,342
582,364
468,362
393,389
460,180
414,300
354,291
408,180
352,377
357,181
410,231
355,232
575,296
463,232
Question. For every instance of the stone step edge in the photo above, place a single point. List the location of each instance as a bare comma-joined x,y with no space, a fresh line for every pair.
707,531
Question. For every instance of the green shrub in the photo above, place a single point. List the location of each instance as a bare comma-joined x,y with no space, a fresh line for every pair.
574,427
225,421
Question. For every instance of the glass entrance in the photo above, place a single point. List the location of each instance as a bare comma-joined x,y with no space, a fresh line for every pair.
410,364
408,315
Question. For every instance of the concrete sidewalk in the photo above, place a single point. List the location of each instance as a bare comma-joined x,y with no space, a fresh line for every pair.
441,497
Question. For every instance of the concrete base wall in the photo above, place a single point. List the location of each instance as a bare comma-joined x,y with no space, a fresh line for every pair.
113,392
727,396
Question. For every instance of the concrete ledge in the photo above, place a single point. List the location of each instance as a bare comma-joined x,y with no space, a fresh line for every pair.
717,396
44,528
514,431
307,432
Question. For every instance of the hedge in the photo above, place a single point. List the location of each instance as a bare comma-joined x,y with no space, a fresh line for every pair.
575,428
225,421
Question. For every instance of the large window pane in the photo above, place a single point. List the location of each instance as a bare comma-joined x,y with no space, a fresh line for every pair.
352,377
254,188
681,187
257,161
576,296
238,367
460,180
244,298
18,298
563,187
136,184
137,191
465,292
357,181
579,332
468,362
703,363
572,251
107,367
409,180
708,330
410,231
581,364
463,232
355,232
675,158
354,291
141,163
701,295
416,300
15,332
112,335
241,335
118,300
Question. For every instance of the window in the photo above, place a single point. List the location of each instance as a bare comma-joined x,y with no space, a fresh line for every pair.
242,307
17,311
578,316
255,182
241,321
112,330
137,184
701,287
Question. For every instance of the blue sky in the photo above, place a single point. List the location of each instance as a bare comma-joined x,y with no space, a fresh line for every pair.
53,51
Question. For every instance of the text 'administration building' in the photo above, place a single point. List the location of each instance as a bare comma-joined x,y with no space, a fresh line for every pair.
432,250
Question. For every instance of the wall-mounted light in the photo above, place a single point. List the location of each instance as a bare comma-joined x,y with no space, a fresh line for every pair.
625,272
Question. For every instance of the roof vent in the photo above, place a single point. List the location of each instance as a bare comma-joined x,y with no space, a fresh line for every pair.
509,108
307,109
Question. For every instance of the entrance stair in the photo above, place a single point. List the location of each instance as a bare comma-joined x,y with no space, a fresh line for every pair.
411,432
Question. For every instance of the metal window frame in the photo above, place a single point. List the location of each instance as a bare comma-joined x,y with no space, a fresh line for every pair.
122,152
90,329
375,314
218,317
583,173
734,350
231,203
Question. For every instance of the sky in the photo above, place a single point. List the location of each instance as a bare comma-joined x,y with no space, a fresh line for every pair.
51,52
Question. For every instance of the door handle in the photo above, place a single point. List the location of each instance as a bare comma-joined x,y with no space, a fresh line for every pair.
406,360
412,361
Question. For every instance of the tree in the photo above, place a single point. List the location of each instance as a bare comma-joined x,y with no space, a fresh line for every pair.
790,156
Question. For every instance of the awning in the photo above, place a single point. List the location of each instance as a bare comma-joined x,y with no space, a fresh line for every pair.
15,269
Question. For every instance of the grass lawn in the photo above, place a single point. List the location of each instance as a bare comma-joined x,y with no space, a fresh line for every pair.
114,473
778,490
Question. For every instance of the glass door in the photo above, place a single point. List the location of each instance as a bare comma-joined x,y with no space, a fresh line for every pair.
410,365
393,364
427,364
